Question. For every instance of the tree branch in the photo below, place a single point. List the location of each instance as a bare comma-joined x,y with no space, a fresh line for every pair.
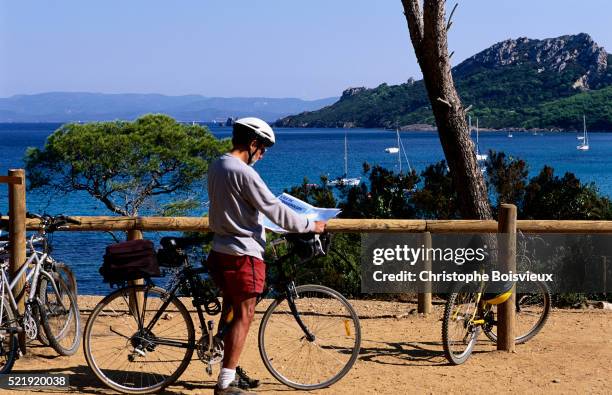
450,18
444,102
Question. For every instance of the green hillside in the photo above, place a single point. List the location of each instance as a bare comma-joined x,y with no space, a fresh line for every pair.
514,84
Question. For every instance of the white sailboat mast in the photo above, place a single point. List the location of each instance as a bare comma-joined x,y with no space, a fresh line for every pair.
477,135
586,140
345,154
399,152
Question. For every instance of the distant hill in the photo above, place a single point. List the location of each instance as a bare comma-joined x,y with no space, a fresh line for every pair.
68,106
521,83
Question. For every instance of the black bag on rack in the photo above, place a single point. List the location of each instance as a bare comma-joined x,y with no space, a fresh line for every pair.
129,260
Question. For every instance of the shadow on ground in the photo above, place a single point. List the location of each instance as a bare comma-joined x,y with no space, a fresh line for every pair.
405,353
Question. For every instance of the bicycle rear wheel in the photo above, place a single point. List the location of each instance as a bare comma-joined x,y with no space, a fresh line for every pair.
305,364
8,338
532,310
459,335
64,271
126,356
59,315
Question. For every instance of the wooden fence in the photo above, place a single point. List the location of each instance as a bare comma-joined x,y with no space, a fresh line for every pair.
134,226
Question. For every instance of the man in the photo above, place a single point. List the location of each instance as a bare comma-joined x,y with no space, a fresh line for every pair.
237,196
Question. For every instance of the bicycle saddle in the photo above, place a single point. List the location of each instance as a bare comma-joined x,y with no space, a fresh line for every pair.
173,243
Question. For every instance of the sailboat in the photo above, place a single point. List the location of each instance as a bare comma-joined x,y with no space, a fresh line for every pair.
584,145
344,180
394,150
480,158
510,135
401,151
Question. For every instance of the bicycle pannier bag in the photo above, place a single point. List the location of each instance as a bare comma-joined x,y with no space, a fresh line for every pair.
129,260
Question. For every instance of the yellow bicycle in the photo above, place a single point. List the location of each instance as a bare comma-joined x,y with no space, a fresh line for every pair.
468,312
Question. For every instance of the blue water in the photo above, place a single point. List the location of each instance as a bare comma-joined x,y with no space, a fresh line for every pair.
301,153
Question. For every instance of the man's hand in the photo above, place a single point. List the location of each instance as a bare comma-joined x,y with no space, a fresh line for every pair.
320,226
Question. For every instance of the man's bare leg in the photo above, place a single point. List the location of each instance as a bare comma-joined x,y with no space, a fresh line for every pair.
234,340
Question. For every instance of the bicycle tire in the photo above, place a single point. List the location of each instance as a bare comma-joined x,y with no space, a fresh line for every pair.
537,327
88,340
348,313
12,344
53,337
65,272
447,343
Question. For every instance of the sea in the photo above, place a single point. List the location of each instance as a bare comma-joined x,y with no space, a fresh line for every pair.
301,154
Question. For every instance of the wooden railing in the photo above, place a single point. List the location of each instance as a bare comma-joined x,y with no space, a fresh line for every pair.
134,226
103,223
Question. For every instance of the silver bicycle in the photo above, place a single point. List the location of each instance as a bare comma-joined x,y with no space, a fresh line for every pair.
50,304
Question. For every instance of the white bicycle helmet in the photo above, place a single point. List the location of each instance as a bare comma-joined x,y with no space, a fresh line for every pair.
259,128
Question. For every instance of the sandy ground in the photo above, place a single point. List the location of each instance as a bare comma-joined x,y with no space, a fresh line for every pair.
404,355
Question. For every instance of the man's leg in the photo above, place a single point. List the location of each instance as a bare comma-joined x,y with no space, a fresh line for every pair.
242,284
235,338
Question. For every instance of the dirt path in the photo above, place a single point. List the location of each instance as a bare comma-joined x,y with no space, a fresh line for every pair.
571,355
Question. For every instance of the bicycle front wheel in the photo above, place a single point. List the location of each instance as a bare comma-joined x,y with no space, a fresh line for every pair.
532,310
319,354
459,334
128,352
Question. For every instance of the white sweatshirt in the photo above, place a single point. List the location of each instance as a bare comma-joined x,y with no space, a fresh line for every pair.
237,195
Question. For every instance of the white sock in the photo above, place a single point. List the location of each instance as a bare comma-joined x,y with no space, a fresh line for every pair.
226,376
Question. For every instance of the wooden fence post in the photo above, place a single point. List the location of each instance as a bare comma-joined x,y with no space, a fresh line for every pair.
506,312
424,297
17,239
136,297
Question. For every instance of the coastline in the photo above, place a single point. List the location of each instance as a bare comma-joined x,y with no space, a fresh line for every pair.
418,127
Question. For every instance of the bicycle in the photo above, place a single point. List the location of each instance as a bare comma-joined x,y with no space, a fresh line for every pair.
143,347
466,313
50,305
48,225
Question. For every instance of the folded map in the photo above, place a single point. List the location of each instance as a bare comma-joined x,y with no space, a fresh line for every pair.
300,207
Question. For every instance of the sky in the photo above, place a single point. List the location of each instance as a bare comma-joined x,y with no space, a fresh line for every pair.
235,48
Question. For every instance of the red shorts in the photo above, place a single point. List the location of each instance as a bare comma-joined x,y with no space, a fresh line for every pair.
239,276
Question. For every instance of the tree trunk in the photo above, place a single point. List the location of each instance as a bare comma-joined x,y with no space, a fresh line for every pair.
428,33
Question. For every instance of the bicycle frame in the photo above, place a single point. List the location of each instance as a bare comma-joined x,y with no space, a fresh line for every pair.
37,259
186,275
